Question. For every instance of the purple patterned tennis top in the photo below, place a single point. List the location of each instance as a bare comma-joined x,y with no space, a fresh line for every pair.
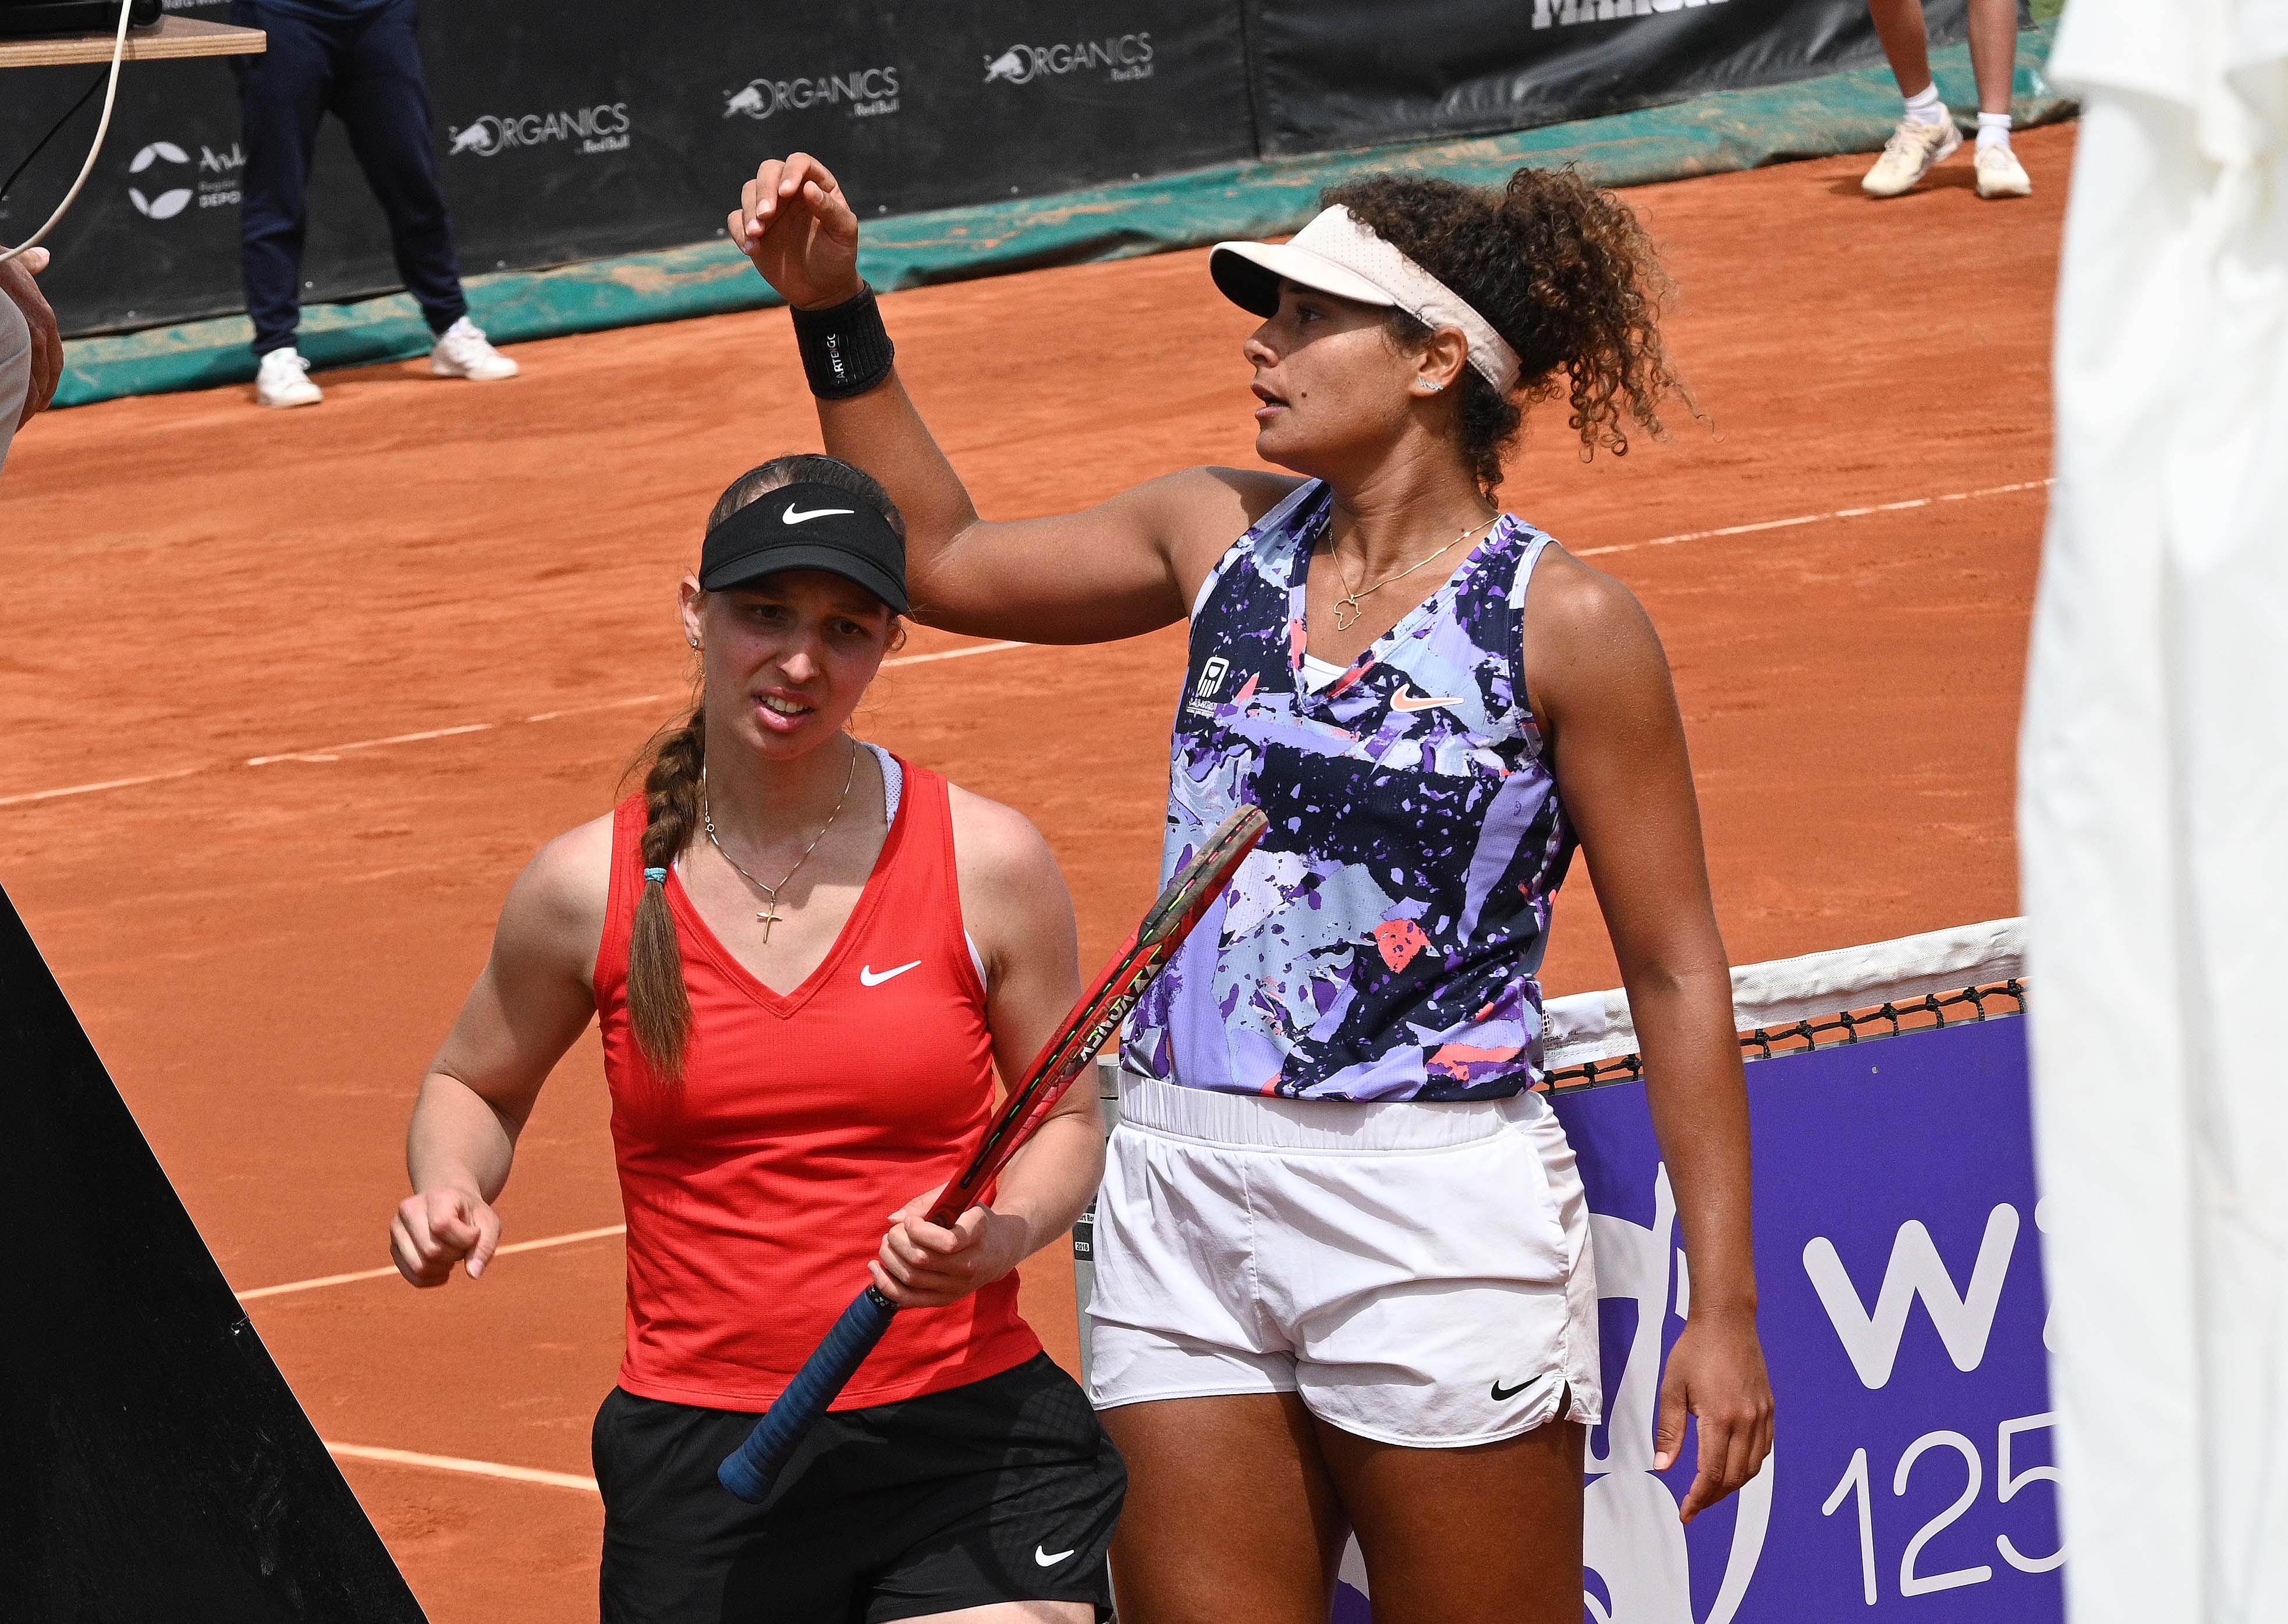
1380,943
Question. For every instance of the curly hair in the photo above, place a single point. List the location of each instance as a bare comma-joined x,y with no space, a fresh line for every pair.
1564,272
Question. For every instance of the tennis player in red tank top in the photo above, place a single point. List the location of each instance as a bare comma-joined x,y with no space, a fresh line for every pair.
806,958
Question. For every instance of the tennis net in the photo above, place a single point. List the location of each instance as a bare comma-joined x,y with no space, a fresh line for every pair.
1786,1005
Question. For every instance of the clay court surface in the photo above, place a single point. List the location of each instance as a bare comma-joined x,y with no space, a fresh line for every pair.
251,611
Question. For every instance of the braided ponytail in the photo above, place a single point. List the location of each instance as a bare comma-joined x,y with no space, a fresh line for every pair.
659,1008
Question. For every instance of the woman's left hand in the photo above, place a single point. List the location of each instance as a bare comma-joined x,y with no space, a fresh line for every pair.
1716,1372
924,1265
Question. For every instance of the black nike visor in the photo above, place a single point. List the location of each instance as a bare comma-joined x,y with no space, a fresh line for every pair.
807,526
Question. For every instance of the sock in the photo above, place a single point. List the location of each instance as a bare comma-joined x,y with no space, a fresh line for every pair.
1993,131
1926,108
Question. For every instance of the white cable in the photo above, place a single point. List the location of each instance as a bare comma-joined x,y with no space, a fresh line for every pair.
118,55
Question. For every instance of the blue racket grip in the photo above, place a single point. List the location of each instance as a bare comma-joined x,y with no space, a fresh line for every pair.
749,1470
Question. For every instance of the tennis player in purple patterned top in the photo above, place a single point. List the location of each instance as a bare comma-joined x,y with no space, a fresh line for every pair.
1343,1271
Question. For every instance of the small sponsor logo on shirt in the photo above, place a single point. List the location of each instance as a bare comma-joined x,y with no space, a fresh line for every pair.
1049,1559
867,975
1406,700
1203,703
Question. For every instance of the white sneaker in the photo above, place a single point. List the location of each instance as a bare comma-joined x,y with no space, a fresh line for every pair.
1912,152
463,351
283,379
2000,174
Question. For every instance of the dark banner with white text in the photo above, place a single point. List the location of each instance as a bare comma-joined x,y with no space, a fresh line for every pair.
582,129
1332,74
576,130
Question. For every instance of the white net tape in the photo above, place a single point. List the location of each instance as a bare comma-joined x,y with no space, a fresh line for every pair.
1595,1026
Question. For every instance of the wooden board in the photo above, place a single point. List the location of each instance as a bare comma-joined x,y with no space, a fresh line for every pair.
174,37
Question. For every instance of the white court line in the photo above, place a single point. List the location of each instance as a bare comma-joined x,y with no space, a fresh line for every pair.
454,1464
391,1272
951,654
1782,525
90,789
328,752
602,705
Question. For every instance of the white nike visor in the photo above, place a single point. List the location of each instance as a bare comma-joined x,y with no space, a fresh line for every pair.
1338,254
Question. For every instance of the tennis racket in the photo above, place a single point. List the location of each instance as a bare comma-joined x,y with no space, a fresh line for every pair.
749,1470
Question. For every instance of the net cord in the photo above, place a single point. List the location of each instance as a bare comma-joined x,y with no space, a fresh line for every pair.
1784,994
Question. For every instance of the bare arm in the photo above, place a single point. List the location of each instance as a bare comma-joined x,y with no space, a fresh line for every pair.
1599,682
1122,568
1017,909
534,998
44,363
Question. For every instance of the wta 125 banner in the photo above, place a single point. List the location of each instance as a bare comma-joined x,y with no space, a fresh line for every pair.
1902,1313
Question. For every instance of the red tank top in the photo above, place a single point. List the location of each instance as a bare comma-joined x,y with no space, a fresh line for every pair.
756,1189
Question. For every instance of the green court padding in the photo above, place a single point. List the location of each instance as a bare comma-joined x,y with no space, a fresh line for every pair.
1840,113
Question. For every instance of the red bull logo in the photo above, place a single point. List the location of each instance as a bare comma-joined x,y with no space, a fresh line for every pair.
867,91
604,127
1122,57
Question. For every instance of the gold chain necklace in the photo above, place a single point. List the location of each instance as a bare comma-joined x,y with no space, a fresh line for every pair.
1351,600
770,915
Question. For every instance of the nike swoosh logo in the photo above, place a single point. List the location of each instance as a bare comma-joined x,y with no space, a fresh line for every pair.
795,515
1502,1394
1405,701
1049,1560
866,972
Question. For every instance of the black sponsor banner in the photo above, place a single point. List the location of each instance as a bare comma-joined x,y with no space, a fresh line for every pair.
590,127
585,128
1332,74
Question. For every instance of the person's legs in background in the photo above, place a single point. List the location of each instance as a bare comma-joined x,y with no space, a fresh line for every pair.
1994,58
1906,44
384,101
283,93
1925,133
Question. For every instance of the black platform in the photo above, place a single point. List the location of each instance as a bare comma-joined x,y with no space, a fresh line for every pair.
155,1468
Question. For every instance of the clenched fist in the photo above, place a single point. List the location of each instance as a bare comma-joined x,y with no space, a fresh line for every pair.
47,356
795,224
436,1229
924,1265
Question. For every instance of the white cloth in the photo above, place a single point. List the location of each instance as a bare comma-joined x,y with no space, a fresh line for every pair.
1419,1274
15,370
1317,673
2153,817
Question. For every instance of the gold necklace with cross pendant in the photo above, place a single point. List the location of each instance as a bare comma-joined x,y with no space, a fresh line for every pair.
770,915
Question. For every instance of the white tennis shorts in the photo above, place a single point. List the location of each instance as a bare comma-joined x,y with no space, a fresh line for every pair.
1417,1273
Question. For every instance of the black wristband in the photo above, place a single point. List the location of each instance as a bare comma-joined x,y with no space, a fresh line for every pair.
845,349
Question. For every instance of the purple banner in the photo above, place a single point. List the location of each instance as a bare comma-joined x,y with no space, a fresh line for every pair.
1904,1317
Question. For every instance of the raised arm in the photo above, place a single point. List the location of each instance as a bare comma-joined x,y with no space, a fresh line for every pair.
1599,682
535,997
1124,567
